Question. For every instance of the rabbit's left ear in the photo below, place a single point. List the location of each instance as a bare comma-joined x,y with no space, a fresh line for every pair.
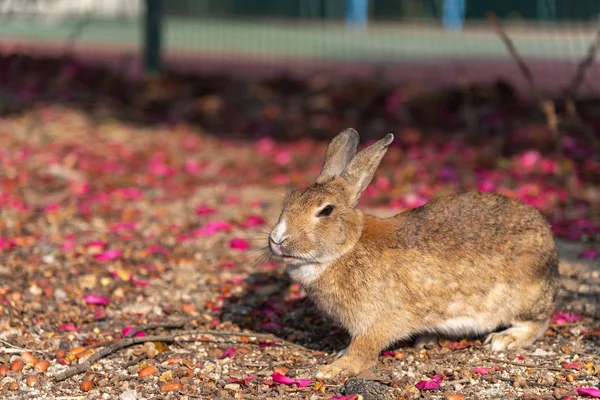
339,153
360,170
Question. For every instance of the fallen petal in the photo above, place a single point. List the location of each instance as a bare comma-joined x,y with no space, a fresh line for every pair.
433,384
239,244
109,255
70,327
590,392
286,380
128,329
228,353
96,299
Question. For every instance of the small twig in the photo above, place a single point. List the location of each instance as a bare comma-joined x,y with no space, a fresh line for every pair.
456,382
584,65
546,105
533,383
125,342
11,348
154,325
520,364
517,57
116,345
136,360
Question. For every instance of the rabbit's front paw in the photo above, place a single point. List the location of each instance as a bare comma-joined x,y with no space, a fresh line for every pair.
341,368
521,334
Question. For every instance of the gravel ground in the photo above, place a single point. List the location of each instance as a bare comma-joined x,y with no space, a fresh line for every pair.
108,225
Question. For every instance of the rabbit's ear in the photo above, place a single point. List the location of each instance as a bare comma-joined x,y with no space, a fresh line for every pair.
360,170
339,153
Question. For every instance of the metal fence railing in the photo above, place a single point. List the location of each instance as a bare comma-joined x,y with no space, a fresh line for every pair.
405,36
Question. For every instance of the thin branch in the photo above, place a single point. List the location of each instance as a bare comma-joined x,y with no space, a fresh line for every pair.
120,344
517,57
154,325
520,364
546,105
116,345
584,65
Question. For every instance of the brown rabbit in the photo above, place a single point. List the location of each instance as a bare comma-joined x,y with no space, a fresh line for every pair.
463,264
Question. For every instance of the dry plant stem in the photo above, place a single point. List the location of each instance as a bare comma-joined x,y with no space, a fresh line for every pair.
546,106
519,364
166,324
126,342
532,383
584,65
116,345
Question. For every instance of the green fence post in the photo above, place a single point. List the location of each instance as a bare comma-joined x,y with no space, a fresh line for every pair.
153,36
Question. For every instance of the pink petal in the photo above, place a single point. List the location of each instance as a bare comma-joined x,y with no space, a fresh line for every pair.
109,255
353,397
128,329
572,365
267,344
6,244
213,227
239,244
286,380
68,245
70,327
129,193
520,357
589,254
283,157
591,392
205,210
481,371
253,220
96,299
157,249
270,326
388,353
562,318
95,243
130,226
191,166
243,381
433,384
139,283
529,159
51,208
228,353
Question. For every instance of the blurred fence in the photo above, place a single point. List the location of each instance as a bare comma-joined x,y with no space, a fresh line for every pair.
425,41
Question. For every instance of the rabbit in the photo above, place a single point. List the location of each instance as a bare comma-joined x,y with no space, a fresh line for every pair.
464,264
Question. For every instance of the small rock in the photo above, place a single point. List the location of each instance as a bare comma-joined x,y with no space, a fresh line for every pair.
370,390
233,386
492,393
540,353
128,395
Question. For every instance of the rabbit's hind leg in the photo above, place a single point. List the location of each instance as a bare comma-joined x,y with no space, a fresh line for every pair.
426,339
519,334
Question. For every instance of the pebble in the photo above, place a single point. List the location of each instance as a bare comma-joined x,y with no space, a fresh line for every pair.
128,395
540,353
493,393
60,294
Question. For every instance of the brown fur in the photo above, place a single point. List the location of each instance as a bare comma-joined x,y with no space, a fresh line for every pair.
462,264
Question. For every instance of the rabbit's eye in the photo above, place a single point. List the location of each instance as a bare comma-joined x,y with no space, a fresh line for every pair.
326,211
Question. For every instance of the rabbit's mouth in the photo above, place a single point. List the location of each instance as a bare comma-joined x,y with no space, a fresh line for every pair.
288,258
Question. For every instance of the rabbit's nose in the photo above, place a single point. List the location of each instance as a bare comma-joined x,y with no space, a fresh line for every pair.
276,247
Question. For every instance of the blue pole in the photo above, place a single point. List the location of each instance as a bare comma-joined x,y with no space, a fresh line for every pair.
357,13
454,14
